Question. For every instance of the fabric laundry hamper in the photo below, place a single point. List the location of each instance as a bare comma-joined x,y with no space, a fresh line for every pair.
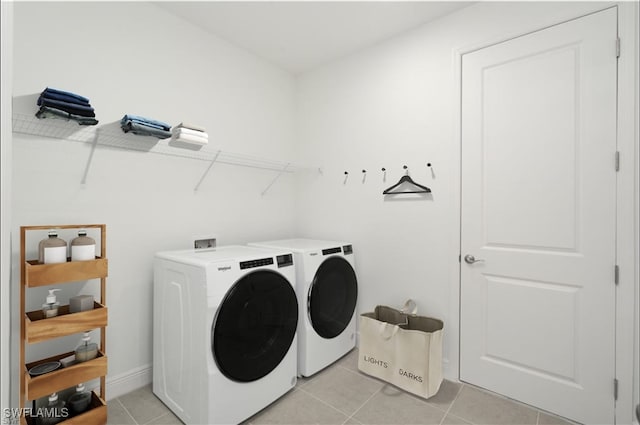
402,348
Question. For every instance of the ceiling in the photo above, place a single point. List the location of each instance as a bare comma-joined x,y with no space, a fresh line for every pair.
302,35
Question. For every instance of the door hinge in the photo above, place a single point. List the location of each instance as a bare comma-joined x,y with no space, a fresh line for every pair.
459,258
618,47
616,274
615,389
617,160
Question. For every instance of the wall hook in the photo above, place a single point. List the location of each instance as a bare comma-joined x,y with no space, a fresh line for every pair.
384,174
346,176
364,175
433,174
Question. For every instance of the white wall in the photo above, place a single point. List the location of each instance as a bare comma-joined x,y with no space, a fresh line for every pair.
136,58
5,215
388,106
394,105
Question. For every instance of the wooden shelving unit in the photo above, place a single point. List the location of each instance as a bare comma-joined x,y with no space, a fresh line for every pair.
35,328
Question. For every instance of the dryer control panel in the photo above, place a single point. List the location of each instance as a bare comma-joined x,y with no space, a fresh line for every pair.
285,260
256,263
329,251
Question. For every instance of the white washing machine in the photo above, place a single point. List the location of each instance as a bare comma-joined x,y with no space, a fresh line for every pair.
224,331
327,291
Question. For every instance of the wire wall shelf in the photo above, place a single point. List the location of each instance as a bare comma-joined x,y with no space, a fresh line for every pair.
111,135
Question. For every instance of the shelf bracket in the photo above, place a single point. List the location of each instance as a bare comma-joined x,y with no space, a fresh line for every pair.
213,161
275,178
93,149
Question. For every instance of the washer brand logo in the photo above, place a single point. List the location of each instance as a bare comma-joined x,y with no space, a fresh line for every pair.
224,269
376,361
410,375
313,254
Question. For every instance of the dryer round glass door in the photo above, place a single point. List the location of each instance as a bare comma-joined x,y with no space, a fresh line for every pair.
255,326
332,297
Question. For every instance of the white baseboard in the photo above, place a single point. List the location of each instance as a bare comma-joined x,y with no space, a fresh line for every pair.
128,381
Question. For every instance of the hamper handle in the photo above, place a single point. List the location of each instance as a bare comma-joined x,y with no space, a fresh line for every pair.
383,328
409,307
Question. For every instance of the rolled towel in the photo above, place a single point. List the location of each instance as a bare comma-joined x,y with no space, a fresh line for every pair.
190,126
188,131
186,138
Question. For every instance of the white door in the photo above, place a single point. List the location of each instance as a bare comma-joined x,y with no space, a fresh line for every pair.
538,215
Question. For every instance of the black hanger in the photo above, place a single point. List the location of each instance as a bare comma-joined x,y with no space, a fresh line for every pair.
407,179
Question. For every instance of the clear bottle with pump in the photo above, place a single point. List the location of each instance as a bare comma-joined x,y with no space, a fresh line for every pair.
80,400
83,248
86,350
54,413
50,307
52,250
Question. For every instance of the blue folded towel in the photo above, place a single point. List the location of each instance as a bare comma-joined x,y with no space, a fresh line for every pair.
49,112
146,121
63,98
72,108
79,98
144,129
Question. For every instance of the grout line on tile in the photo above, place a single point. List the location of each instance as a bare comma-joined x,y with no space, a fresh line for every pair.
363,404
151,420
351,419
538,418
446,413
323,402
127,411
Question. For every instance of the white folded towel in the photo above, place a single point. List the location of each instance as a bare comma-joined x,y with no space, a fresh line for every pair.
190,126
187,138
180,131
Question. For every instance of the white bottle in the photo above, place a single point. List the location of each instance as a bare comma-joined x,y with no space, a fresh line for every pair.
50,307
83,248
52,250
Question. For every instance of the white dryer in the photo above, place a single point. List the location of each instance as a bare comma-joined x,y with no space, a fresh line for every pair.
224,331
327,291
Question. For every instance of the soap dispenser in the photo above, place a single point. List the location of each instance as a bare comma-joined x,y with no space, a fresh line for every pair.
80,400
83,248
50,307
56,412
86,350
52,250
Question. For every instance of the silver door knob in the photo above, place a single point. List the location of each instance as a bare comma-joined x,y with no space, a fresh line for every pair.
470,259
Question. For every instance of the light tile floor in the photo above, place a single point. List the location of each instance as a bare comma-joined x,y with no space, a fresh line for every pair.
342,395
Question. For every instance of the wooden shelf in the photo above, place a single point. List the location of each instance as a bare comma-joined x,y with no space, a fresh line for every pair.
38,329
66,377
37,274
95,415
34,327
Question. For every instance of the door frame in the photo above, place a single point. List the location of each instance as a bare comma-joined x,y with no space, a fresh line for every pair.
627,205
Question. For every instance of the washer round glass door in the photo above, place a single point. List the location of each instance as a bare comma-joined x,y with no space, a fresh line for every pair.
255,326
332,297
